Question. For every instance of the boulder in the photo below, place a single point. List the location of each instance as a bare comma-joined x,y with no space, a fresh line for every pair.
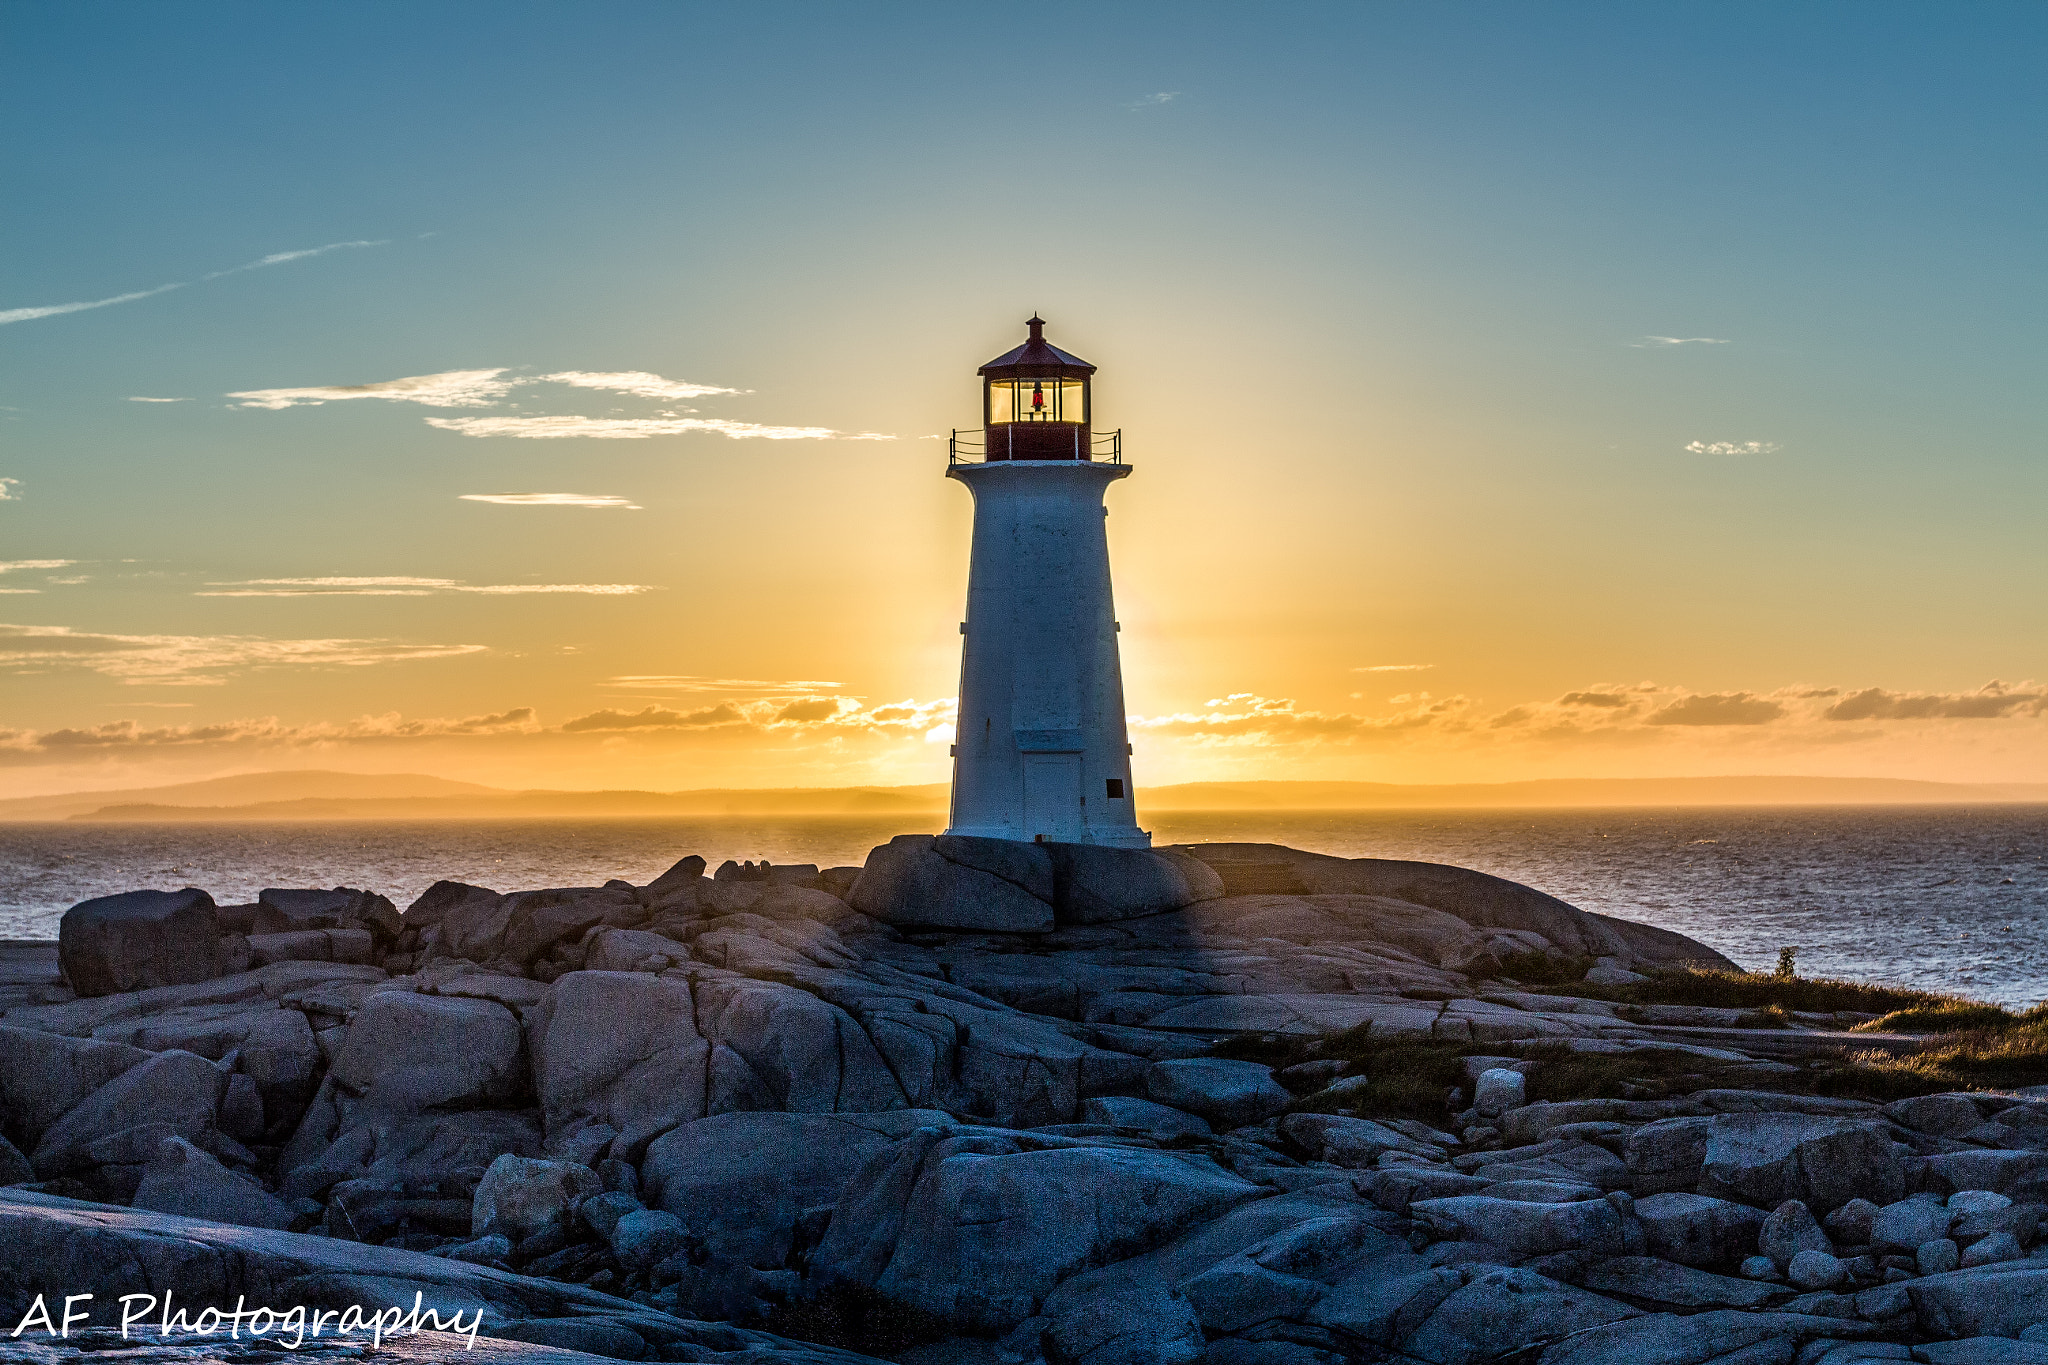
1824,1162
1904,1225
1159,1120
177,1089
181,1179
283,911
1790,1230
1649,1279
14,1167
519,1196
1948,1116
645,1237
633,950
407,1052
978,1231
621,1050
1600,1226
1497,1307
1695,1230
1097,885
1991,1301
1937,1257
45,1075
1344,1141
140,939
1726,1334
1499,1090
1229,1094
950,882
1995,1249
1811,1269
1666,1155
1141,1323
2018,1174
742,1182
602,1212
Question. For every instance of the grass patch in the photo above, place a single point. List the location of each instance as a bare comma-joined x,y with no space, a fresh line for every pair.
1561,1074
1949,1016
857,1319
1763,990
1535,968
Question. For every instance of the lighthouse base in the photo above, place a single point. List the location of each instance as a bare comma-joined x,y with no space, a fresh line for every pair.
1102,838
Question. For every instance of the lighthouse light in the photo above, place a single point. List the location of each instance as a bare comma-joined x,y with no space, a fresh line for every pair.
1037,400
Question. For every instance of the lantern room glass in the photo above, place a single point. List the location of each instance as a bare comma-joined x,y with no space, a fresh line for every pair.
1037,400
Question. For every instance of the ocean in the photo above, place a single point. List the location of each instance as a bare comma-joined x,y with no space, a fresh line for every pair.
1950,898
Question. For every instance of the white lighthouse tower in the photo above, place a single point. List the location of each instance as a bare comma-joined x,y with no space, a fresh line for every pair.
1042,752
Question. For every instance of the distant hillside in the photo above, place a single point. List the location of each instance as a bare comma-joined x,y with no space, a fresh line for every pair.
313,795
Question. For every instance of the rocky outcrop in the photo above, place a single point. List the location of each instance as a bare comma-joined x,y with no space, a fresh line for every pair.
1002,886
140,939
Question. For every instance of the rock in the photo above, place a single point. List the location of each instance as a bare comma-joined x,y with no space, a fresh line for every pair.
1610,972
1349,1142
1790,1230
1666,1155
1850,1224
949,882
1990,1301
620,1049
281,911
176,1089
1941,1115
1727,1335
1695,1230
43,1076
1240,1293
181,1179
977,1231
140,939
1907,1223
1594,1225
1651,1280
645,1237
1971,1203
602,1212
490,1249
633,950
2019,1174
742,1182
1760,1268
1160,1120
687,872
1502,1306
407,1052
1499,1090
1992,1250
1096,885
1937,1257
1982,1351
1824,1162
520,1197
1811,1269
1128,1324
1229,1094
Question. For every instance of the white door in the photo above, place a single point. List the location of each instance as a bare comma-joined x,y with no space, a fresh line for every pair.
1052,797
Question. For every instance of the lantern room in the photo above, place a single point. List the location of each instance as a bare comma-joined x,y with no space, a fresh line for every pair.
1036,402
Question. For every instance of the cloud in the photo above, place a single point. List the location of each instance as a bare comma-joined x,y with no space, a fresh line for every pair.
400,586
656,717
1154,100
1392,668
689,682
640,428
1731,447
636,382
1718,708
813,709
7,487
1244,718
450,389
268,731
193,660
16,565
1679,341
159,400
280,257
1593,699
8,315
553,500
1993,701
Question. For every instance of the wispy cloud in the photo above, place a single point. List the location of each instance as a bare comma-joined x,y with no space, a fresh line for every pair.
690,682
17,565
267,732
1153,100
280,257
1392,668
7,490
636,382
195,659
157,400
52,310
449,389
1718,708
1731,447
400,586
553,500
1993,701
640,428
1658,342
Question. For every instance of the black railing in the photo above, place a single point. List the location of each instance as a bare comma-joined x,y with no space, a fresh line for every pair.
1104,447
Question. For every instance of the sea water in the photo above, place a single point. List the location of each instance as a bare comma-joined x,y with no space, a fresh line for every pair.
1943,898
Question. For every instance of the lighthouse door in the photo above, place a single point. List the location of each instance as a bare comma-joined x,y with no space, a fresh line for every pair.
1052,797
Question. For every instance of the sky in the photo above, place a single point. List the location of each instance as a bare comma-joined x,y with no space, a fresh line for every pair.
555,396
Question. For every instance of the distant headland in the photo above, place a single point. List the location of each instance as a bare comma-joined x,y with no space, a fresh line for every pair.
323,795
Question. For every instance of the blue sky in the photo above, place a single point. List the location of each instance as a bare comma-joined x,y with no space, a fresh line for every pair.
1669,349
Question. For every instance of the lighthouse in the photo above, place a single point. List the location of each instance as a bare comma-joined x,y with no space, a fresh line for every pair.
1041,753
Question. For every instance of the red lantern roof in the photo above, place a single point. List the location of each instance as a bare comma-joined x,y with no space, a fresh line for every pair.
1037,359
